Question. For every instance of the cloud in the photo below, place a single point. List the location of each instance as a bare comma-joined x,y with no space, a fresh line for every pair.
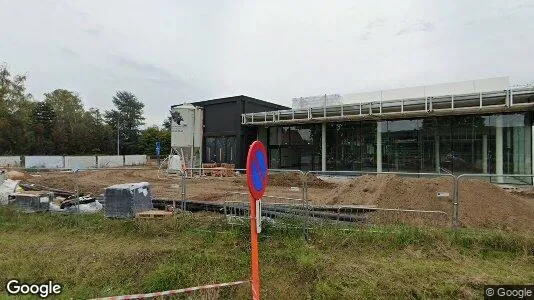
144,68
371,28
95,32
69,52
418,26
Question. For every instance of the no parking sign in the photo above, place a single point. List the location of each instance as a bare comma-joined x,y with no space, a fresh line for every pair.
257,178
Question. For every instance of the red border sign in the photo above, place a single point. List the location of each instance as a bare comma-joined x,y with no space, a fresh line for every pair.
257,171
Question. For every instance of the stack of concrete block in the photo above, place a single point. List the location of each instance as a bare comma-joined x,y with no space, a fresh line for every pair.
128,199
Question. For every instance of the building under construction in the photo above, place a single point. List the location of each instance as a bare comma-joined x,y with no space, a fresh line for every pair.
479,126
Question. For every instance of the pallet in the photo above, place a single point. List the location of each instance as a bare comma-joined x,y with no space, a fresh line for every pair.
154,214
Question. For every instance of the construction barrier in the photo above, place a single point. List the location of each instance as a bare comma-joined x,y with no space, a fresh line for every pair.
11,161
44,162
134,160
105,161
175,292
80,162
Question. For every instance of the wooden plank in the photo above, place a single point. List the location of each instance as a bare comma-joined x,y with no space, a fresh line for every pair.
152,214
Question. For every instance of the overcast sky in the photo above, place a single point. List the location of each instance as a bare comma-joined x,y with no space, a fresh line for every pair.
168,52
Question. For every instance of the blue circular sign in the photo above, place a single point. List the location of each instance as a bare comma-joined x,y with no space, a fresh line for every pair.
257,170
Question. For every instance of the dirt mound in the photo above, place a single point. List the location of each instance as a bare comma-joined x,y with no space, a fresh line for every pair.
294,179
481,203
16,175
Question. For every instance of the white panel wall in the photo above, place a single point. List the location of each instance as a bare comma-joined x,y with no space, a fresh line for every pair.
445,89
44,162
133,160
105,161
80,162
361,97
13,161
492,84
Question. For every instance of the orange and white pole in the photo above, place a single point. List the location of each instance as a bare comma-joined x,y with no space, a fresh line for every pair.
255,259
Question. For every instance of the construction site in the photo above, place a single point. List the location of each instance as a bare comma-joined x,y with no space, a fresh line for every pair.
420,193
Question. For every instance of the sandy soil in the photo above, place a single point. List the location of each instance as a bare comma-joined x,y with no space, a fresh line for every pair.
481,204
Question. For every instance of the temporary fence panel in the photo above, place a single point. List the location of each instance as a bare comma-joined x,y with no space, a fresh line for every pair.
135,160
105,161
80,162
479,203
380,198
44,162
11,161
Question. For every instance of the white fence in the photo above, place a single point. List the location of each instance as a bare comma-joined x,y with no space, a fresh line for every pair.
105,161
134,160
44,162
11,161
80,162
73,162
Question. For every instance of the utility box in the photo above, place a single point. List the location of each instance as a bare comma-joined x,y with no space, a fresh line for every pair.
32,201
128,199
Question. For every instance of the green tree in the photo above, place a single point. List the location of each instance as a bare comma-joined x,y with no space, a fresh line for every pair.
150,136
15,112
126,119
69,133
42,126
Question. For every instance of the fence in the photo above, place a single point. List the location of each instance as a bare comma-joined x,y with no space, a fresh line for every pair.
312,199
510,209
10,161
73,162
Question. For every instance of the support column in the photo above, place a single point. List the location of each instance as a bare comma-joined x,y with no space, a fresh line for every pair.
499,149
379,146
531,152
485,153
436,152
323,147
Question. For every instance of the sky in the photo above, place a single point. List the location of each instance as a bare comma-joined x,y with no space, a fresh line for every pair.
169,52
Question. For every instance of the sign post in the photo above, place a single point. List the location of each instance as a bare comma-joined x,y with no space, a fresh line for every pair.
158,150
257,183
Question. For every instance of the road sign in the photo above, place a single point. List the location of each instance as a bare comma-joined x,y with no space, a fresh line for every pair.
257,183
257,170
158,148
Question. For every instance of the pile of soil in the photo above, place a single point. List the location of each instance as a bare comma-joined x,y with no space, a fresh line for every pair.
17,175
295,179
481,204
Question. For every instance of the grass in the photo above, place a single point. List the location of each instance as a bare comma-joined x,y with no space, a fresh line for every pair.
93,256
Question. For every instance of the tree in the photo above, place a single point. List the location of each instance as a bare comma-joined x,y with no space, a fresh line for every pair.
126,119
150,136
69,133
15,112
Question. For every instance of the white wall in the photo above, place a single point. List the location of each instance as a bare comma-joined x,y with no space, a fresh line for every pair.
13,161
80,162
133,160
44,162
444,89
106,161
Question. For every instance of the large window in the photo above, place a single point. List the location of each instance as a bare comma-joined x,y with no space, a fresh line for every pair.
456,144
221,149
295,147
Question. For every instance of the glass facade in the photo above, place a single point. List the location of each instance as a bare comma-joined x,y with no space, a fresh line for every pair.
295,147
499,144
221,149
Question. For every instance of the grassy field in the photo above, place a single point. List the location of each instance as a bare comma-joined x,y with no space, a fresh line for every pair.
93,256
